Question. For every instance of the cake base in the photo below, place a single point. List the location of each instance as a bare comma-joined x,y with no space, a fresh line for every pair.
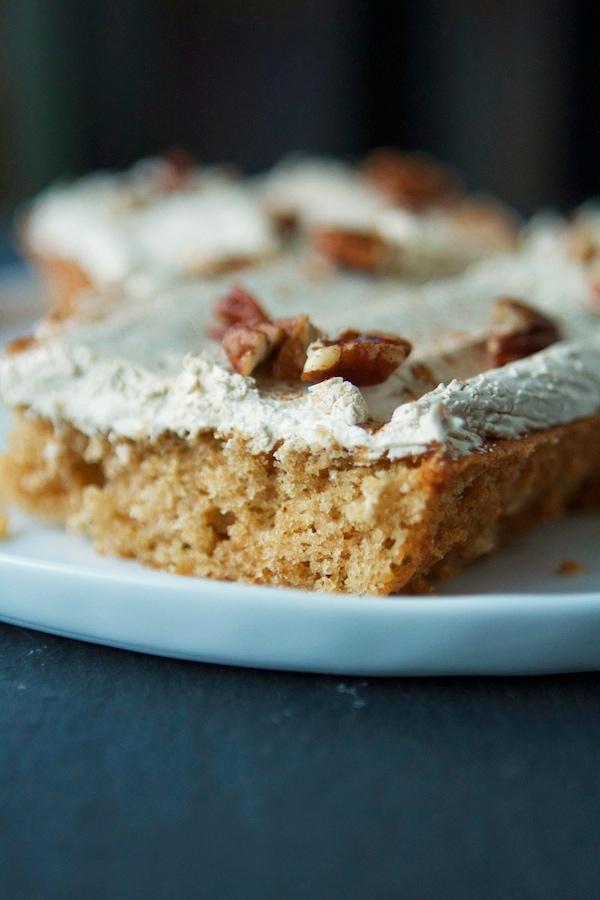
212,509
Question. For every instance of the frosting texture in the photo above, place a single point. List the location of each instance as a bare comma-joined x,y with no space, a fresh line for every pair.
140,366
112,224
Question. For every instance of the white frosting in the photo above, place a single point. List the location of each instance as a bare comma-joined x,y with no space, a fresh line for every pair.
589,215
328,193
145,366
550,233
322,192
114,224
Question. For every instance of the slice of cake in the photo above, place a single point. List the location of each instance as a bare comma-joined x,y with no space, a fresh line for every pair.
314,429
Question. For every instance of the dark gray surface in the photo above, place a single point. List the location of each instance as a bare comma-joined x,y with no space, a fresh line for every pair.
128,776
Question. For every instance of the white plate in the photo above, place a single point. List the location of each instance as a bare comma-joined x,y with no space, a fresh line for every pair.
509,614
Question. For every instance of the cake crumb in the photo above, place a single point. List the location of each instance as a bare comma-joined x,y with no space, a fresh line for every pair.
358,702
570,567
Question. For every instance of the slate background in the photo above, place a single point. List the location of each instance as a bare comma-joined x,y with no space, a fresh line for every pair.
128,776
505,90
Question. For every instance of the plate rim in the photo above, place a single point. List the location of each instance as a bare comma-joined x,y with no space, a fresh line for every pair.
394,604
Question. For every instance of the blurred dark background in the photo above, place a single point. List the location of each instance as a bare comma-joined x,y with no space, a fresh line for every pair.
507,91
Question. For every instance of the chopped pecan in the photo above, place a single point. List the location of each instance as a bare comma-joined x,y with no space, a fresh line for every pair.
217,331
412,180
18,344
295,350
285,222
247,346
362,358
175,171
238,307
518,331
350,249
570,567
289,360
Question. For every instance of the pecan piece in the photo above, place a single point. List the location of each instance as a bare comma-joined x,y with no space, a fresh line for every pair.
364,359
19,344
247,346
412,180
285,222
238,307
290,358
175,170
350,249
518,331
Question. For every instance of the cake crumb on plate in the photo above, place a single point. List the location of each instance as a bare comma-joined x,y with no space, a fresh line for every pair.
571,567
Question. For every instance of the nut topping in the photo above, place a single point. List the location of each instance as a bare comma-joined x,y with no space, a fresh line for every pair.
350,249
363,359
297,351
175,171
19,344
238,307
247,346
412,180
289,360
519,331
285,222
